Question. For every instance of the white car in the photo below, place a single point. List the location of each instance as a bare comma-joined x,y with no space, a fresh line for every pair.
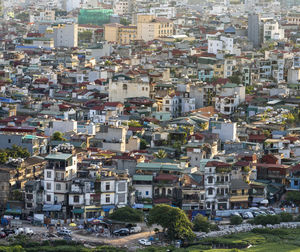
28,231
145,242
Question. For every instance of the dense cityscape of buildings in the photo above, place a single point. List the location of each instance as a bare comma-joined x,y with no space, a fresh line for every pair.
194,104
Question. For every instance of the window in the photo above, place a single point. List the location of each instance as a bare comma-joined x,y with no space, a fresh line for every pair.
76,199
167,101
107,186
107,198
58,187
29,205
124,86
48,186
48,174
48,197
295,182
29,196
147,193
167,109
210,179
9,140
210,191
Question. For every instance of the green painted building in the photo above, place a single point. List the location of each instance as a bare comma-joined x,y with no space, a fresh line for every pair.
95,16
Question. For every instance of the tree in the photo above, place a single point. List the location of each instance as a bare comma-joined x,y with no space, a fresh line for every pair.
85,36
286,217
58,136
173,221
127,214
235,79
3,157
161,154
293,196
201,223
143,144
133,123
124,21
236,220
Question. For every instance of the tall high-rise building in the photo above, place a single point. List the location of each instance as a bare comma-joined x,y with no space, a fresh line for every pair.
254,29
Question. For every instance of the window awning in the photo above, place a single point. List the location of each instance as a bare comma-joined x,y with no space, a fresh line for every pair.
148,206
257,200
78,211
138,206
13,211
51,208
107,208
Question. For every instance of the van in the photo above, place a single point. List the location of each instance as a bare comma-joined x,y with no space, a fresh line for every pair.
136,229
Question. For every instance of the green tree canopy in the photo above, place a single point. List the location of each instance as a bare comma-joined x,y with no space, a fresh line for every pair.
124,21
58,136
143,144
201,223
173,220
236,220
161,154
127,214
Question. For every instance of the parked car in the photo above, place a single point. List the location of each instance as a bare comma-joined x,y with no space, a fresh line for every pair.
121,232
262,213
145,242
136,229
64,232
8,231
235,214
270,212
2,235
245,215
28,231
19,231
250,215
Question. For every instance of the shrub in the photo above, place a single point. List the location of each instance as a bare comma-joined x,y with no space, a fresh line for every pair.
201,224
236,220
275,232
127,214
214,227
286,217
268,219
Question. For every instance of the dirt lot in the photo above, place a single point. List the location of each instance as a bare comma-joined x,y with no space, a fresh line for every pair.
130,241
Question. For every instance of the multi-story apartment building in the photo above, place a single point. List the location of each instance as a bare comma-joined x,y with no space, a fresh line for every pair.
272,32
217,184
193,193
33,197
122,87
150,27
61,169
110,138
119,33
65,35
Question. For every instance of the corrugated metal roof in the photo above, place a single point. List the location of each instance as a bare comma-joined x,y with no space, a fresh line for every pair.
59,156
142,177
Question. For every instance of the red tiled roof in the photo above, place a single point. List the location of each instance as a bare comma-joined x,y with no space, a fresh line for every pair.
216,164
257,137
166,177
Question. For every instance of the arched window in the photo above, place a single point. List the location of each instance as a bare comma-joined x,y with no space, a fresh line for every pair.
163,192
169,192
210,179
124,86
210,191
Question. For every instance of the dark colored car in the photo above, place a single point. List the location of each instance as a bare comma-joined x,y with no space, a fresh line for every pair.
8,231
121,232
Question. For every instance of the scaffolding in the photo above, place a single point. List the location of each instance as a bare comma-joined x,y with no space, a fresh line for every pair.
95,16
